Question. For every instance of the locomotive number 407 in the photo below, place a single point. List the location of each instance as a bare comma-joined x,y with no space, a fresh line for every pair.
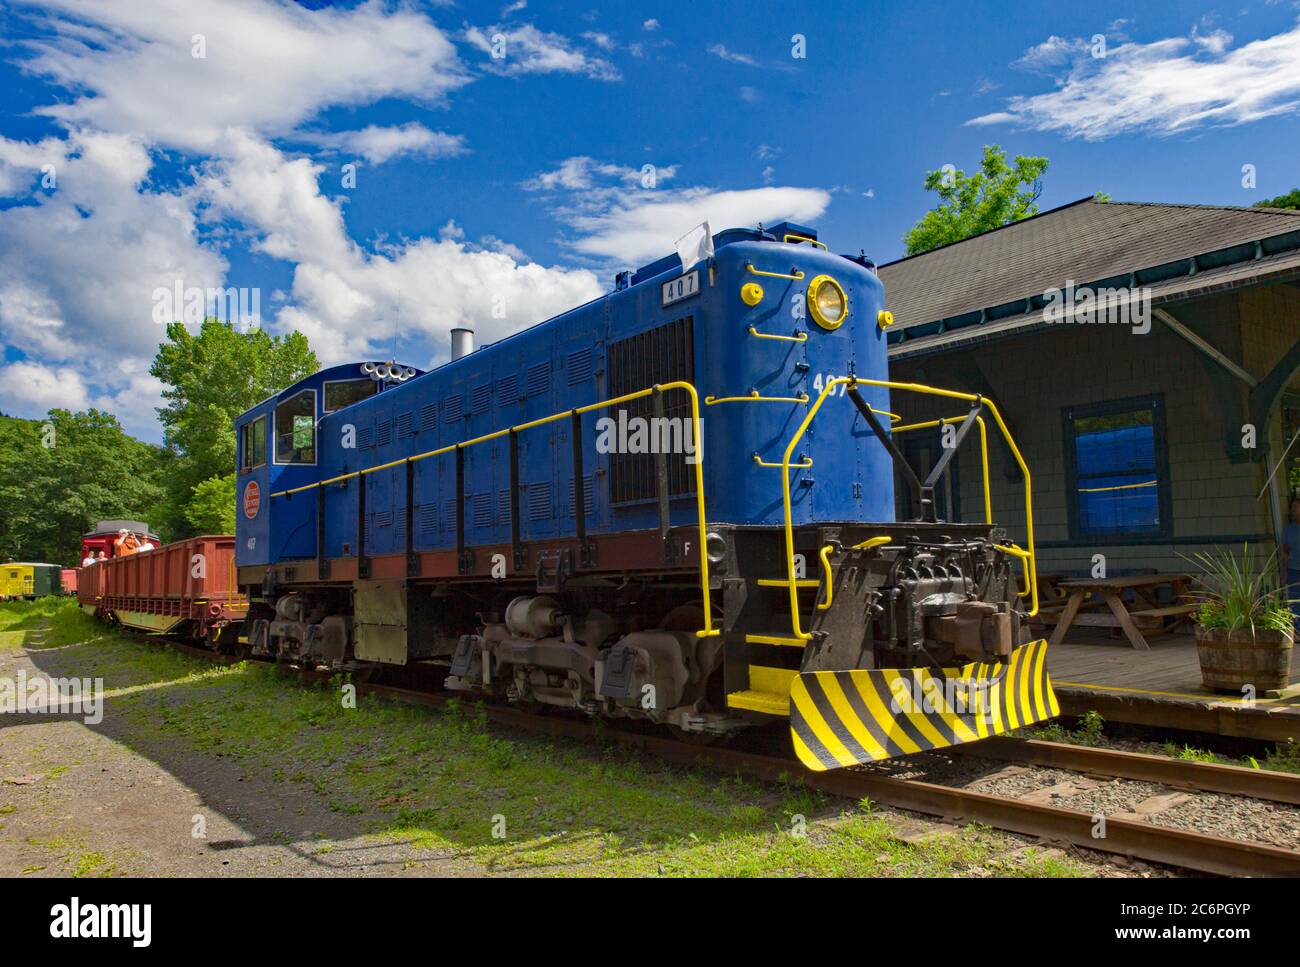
682,287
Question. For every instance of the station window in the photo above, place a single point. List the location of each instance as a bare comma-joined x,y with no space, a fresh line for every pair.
252,444
344,392
1117,469
295,429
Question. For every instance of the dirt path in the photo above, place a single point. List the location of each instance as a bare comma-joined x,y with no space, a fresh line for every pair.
78,800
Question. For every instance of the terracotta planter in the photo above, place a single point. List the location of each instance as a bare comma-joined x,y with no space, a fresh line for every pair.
1233,659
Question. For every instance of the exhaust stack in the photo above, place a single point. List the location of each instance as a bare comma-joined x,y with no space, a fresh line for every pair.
462,342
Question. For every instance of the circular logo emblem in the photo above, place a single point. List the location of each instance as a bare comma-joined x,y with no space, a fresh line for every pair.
252,499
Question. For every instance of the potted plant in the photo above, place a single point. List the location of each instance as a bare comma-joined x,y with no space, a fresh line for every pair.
1245,628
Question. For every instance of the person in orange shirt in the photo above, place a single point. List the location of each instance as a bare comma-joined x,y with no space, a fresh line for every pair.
126,543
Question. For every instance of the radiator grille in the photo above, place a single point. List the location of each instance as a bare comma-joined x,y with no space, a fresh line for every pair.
659,355
451,409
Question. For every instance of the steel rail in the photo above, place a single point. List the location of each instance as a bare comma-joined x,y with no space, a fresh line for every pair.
1177,773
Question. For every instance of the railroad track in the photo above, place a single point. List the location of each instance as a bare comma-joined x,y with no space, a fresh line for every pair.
1135,839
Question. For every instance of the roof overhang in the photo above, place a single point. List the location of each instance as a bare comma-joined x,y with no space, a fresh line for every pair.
1194,283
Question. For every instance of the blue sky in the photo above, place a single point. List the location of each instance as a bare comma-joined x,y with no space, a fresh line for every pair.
204,143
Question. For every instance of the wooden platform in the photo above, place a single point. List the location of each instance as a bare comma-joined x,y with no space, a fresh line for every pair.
1162,688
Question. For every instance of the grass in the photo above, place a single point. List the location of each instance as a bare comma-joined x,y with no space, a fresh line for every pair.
48,622
447,786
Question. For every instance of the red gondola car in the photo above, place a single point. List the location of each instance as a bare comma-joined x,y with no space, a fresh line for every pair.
187,587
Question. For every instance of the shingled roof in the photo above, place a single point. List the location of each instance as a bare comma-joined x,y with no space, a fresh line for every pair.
992,283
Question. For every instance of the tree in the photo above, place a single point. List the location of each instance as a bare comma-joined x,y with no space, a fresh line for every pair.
60,476
1290,200
212,508
212,378
996,195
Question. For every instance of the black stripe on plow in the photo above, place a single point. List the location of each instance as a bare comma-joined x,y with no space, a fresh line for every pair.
849,686
841,731
802,729
887,699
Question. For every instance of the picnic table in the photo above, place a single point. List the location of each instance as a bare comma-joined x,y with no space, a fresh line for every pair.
1087,597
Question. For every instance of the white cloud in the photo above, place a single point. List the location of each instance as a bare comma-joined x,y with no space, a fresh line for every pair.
642,225
266,66
581,173
21,163
526,50
378,144
603,41
749,95
1165,87
347,300
616,220
30,389
721,50
651,24
1051,54
78,266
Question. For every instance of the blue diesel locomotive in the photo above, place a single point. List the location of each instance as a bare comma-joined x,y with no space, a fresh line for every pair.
674,503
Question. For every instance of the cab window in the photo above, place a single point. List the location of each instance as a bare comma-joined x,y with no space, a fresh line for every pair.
252,444
344,392
295,429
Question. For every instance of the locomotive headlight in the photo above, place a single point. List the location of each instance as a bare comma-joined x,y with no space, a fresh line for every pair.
827,302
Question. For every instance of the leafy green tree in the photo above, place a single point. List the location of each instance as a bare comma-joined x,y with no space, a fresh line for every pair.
212,377
60,476
996,195
1290,200
212,508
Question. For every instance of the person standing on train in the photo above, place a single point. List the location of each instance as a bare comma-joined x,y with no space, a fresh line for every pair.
89,559
125,544
145,544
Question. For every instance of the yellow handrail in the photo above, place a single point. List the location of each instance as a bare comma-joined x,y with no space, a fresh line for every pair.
1024,560
805,238
827,573
827,577
753,397
799,337
984,452
850,382
807,462
708,631
797,276
871,542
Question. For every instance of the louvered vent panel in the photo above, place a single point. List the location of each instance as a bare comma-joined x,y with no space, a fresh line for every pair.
588,497
539,501
451,409
580,366
660,355
482,504
428,518
539,379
